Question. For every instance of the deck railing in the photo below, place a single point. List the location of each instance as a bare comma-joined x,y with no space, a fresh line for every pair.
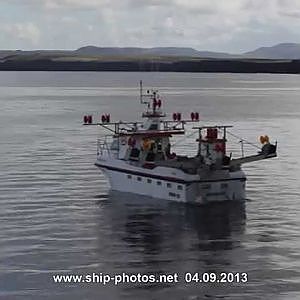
104,146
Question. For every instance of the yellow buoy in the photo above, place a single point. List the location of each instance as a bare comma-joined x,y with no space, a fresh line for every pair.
147,144
267,139
262,139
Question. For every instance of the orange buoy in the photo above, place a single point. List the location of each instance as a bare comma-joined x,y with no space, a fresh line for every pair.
262,139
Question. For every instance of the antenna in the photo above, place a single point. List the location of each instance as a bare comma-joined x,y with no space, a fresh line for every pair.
144,95
141,91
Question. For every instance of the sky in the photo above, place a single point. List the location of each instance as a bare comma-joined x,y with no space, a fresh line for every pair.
233,26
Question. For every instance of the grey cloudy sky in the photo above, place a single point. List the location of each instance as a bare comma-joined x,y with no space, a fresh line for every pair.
218,25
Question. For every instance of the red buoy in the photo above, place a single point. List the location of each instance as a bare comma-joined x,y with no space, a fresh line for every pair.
103,118
196,116
208,133
223,148
192,116
174,116
131,142
178,116
212,133
85,119
159,103
90,119
220,148
154,103
215,133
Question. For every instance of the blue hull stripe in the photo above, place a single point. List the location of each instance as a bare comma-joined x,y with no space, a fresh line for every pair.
166,178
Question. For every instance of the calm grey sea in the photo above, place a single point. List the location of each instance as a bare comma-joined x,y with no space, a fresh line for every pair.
58,217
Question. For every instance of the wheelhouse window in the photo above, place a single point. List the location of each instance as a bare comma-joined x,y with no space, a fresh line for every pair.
179,187
158,182
129,176
149,180
139,178
153,127
134,154
169,185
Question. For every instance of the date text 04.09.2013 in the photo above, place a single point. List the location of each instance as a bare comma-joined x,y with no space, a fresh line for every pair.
222,277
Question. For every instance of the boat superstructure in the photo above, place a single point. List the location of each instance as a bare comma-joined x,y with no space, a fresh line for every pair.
137,157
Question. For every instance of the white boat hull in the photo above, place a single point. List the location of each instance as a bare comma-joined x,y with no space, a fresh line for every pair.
153,183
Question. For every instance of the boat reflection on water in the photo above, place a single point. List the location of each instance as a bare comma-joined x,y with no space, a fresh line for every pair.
150,218
152,226
157,236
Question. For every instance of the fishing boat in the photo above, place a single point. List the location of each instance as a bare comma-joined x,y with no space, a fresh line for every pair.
137,157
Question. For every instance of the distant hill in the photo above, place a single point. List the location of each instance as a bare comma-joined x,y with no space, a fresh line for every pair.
282,58
280,51
157,51
4,53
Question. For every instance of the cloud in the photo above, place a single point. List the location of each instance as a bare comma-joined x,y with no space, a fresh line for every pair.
27,32
68,19
220,25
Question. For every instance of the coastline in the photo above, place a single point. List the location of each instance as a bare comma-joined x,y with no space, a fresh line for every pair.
155,65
